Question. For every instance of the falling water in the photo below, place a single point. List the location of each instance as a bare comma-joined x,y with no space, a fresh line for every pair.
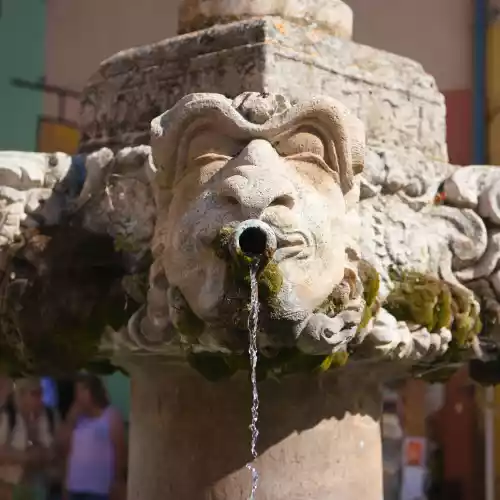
252,351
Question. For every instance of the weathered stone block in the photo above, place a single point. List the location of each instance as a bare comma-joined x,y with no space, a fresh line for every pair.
398,102
333,16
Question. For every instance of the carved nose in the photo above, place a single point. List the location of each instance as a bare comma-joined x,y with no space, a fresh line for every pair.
260,180
260,201
255,193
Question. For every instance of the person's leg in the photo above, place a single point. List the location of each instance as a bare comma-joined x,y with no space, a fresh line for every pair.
77,496
87,496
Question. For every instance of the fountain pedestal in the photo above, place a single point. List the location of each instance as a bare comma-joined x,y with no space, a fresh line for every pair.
165,217
319,437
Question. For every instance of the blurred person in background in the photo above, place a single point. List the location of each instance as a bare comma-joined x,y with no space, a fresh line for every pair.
96,450
27,430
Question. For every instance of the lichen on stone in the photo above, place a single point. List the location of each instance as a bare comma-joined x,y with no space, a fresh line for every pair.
58,302
269,277
370,280
433,303
335,360
270,281
123,243
189,325
213,367
221,242
136,286
420,299
284,362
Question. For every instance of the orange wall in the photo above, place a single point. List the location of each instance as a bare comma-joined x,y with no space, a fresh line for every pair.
437,33
81,33
459,125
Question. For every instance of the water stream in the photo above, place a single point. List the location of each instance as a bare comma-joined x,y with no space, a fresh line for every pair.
253,319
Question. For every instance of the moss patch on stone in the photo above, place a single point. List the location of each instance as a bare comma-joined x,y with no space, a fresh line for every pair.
420,299
123,243
190,325
370,279
335,360
213,367
72,290
270,281
269,277
433,303
287,361
331,306
220,244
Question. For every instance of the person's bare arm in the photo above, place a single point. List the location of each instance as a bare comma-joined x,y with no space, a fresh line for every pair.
64,431
119,442
11,456
8,455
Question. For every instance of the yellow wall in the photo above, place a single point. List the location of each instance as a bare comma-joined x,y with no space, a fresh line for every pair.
55,136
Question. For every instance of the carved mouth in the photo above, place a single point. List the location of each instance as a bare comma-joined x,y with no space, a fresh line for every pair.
293,244
296,244
253,238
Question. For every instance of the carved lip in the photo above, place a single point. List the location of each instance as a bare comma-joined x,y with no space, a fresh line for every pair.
294,244
290,244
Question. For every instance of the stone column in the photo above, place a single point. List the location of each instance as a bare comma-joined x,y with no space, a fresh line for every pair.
333,16
319,437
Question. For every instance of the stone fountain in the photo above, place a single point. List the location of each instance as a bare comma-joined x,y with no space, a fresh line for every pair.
366,247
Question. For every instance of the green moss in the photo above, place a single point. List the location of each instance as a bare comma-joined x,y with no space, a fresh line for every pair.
213,367
269,277
136,286
122,243
420,299
270,281
285,362
190,325
73,346
435,304
332,305
220,244
334,360
370,279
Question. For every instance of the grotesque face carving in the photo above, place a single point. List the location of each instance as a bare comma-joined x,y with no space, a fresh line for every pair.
257,158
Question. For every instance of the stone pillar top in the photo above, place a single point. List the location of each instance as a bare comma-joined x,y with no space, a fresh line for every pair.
333,16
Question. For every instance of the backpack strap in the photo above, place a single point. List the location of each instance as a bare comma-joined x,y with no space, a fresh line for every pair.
51,418
10,411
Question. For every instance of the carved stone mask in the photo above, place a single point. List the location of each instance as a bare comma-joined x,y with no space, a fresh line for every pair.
287,170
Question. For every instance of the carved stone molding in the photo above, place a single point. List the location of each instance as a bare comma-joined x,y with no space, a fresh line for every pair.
290,166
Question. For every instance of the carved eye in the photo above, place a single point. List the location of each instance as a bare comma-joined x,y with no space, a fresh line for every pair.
302,141
305,146
208,146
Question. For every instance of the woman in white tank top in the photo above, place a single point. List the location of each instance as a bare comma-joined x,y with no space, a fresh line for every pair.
96,445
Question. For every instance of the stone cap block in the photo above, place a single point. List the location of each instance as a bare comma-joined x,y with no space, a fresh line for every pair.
398,102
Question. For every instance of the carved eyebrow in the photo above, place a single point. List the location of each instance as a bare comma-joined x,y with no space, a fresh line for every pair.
329,158
226,143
